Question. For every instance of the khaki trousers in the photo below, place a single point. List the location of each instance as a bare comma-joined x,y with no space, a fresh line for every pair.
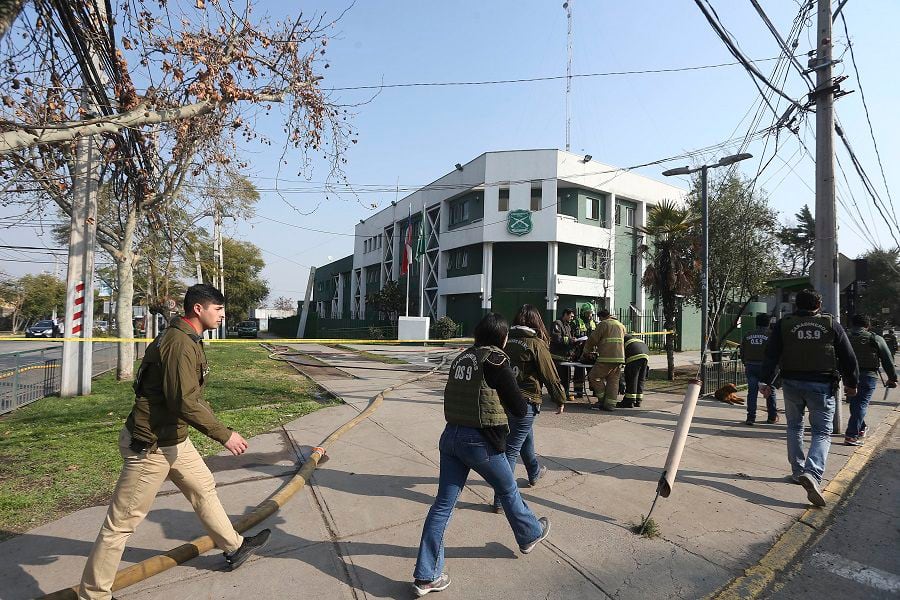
140,480
604,380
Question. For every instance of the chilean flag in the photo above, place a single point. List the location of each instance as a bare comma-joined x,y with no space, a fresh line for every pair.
407,245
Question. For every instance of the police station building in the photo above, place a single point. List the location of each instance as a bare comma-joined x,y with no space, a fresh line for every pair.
544,227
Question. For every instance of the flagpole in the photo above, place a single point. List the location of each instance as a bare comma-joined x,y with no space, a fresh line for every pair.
422,243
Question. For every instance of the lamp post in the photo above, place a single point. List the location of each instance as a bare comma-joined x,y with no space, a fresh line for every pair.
704,251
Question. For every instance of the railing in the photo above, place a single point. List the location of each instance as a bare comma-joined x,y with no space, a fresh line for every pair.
30,375
716,374
646,323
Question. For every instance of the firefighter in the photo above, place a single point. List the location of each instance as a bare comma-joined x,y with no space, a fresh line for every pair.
753,349
637,355
584,325
606,349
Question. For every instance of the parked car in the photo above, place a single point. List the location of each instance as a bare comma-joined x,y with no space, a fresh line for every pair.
44,328
247,329
101,326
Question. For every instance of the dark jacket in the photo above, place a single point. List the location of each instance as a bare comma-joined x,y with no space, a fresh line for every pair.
846,359
531,361
562,340
502,378
885,356
169,390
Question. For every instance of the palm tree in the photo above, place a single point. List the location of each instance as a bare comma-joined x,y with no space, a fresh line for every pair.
672,264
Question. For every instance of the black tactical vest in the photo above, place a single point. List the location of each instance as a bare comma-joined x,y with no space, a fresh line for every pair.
468,399
753,346
866,350
808,344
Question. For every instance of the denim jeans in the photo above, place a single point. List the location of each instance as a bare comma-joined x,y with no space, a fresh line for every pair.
753,371
819,399
464,449
520,441
859,404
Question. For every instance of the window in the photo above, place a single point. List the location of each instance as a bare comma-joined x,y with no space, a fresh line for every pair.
582,258
503,200
459,259
594,261
535,199
634,264
604,265
379,240
618,214
592,208
459,212
629,216
365,246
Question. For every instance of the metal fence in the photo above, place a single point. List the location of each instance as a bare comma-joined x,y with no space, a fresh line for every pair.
30,375
718,373
649,323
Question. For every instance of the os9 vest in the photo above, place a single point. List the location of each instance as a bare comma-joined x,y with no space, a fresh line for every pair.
808,344
468,399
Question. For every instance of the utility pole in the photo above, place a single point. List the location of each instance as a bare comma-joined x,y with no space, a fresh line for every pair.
199,268
77,368
704,256
825,269
568,6
217,258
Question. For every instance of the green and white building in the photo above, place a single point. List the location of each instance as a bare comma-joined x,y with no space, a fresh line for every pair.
545,227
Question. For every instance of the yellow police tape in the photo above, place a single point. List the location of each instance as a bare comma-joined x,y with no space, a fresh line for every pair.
28,368
287,340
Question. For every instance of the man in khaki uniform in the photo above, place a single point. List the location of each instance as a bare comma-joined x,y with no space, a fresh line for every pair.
607,344
154,444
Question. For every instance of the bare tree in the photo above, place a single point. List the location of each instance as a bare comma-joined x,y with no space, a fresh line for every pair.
169,90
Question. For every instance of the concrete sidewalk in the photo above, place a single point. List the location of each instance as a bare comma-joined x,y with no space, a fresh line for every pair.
355,531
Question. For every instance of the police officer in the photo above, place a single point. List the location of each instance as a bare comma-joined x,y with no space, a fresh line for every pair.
155,446
871,350
753,349
606,349
891,340
584,326
481,389
814,353
637,354
562,345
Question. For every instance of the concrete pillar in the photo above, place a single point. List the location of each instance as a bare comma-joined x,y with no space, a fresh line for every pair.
611,221
640,219
552,268
487,261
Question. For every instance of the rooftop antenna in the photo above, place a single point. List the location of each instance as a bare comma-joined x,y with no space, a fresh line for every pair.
568,6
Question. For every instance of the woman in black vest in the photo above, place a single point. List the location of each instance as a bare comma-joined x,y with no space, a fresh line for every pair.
480,386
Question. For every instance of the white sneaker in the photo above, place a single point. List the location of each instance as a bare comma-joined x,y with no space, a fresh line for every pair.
438,585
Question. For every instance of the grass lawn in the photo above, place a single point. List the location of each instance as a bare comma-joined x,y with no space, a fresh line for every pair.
59,455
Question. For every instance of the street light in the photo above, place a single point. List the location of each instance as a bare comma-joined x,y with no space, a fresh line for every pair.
704,255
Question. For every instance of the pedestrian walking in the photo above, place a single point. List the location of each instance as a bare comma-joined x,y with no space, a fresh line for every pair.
814,354
481,389
583,328
529,356
606,349
637,355
155,446
890,339
871,351
562,346
753,348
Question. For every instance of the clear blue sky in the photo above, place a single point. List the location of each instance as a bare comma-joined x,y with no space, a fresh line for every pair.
415,135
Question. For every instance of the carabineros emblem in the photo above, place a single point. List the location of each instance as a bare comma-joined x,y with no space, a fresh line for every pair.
519,222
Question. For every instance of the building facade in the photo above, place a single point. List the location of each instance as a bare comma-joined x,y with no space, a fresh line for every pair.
544,227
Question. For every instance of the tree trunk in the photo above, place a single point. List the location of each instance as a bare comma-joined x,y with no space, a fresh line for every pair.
125,274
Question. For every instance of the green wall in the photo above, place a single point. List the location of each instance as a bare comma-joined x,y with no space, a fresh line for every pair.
625,246
573,202
465,310
519,274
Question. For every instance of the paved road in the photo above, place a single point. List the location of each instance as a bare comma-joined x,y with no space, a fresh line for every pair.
859,555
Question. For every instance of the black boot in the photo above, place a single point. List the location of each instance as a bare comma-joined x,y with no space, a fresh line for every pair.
250,546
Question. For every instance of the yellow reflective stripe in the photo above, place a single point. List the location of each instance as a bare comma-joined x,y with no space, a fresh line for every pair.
636,357
611,339
631,341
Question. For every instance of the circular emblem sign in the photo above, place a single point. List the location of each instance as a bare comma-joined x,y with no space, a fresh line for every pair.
519,222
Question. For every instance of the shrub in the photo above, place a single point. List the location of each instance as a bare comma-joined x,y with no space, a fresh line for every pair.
444,328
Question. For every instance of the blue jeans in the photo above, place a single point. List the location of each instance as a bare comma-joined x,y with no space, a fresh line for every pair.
464,449
753,371
520,441
859,404
819,399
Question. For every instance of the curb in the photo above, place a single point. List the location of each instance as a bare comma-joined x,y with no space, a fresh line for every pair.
756,579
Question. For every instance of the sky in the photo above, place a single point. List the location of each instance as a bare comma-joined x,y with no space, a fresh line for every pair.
413,135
